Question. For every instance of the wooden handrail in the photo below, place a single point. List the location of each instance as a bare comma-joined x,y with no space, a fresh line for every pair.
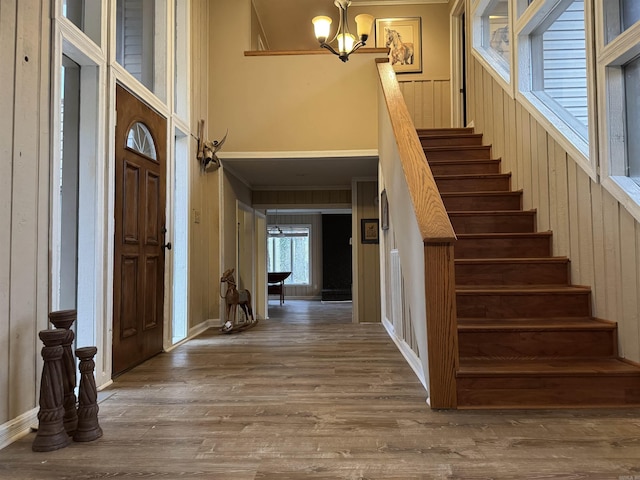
433,220
438,238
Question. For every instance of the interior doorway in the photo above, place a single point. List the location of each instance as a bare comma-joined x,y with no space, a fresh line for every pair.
459,64
139,241
245,247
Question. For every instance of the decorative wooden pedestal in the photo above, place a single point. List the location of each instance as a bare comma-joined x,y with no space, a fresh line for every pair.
51,433
63,320
88,428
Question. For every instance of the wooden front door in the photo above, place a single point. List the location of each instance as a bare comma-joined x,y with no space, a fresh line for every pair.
138,290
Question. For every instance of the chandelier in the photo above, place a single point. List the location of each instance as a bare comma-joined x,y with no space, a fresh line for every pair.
346,41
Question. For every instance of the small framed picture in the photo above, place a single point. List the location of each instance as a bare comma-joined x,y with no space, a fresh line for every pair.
369,230
403,38
384,210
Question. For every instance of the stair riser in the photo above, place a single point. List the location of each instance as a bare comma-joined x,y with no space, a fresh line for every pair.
427,132
453,153
474,184
447,141
525,305
512,274
471,202
479,166
503,247
516,223
539,392
552,343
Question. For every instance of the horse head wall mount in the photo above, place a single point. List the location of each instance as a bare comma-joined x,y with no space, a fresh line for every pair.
207,150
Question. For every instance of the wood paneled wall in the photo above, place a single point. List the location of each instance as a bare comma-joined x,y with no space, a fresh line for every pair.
589,226
204,189
428,101
24,200
368,255
301,198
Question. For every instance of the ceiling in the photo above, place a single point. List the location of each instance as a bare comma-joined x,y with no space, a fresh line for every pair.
315,172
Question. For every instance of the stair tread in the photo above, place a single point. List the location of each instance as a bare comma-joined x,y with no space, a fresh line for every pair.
521,289
439,130
529,324
466,176
451,134
493,212
474,366
481,193
444,148
462,161
505,235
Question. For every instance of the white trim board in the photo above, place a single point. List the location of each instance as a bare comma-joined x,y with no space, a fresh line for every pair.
18,427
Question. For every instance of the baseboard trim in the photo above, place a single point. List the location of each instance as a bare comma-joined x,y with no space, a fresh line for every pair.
18,427
197,330
410,356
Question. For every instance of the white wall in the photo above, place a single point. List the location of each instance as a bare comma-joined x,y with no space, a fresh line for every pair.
289,102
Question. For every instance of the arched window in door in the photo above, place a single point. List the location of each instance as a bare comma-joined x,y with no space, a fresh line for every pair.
139,140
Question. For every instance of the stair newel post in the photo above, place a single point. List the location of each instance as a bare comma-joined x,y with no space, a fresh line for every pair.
51,432
88,427
442,326
63,320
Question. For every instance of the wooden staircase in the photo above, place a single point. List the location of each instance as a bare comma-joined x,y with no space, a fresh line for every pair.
526,335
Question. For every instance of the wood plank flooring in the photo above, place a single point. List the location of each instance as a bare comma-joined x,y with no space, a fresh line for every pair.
309,395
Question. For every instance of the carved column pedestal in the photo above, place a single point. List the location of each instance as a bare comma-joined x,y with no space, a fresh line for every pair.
63,320
51,432
88,428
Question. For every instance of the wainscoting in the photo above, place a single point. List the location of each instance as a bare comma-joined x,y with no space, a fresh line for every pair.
428,101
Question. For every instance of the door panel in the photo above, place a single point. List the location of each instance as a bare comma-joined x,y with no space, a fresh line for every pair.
129,295
130,205
152,202
139,225
151,282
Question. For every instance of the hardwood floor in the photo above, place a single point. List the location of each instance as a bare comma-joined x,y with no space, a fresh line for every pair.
309,395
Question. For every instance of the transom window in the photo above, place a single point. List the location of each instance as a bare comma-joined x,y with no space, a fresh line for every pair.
87,16
139,140
288,250
141,41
